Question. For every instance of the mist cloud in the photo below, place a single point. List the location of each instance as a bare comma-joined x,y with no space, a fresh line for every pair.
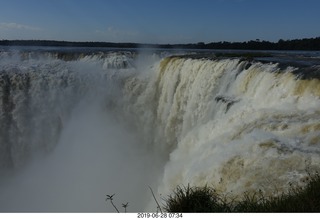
97,153
16,26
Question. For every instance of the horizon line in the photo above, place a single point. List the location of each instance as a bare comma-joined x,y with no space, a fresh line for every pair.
195,43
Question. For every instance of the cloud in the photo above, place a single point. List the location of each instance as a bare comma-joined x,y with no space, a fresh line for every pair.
15,26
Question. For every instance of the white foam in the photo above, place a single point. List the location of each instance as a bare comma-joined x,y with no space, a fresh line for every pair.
233,128
198,121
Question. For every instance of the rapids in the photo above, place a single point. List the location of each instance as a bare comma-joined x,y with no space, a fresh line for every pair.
75,127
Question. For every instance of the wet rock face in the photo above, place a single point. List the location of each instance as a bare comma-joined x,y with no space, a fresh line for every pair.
225,121
28,114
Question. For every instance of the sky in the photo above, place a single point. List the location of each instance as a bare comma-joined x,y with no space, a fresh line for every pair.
159,21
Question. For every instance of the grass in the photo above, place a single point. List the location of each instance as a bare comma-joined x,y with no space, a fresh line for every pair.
187,199
206,199
195,199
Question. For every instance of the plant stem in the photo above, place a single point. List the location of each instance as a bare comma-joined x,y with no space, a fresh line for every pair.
155,199
114,206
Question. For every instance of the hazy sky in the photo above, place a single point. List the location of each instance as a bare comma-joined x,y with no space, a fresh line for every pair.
159,21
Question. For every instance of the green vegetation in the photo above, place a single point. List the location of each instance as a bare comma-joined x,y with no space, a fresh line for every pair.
205,199
187,199
296,44
195,199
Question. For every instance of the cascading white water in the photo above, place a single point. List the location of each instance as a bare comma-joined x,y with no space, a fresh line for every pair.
63,144
231,124
38,94
115,123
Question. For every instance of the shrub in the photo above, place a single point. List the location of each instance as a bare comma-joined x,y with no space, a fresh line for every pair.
195,199
205,199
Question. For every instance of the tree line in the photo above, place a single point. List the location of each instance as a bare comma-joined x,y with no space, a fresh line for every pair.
296,44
